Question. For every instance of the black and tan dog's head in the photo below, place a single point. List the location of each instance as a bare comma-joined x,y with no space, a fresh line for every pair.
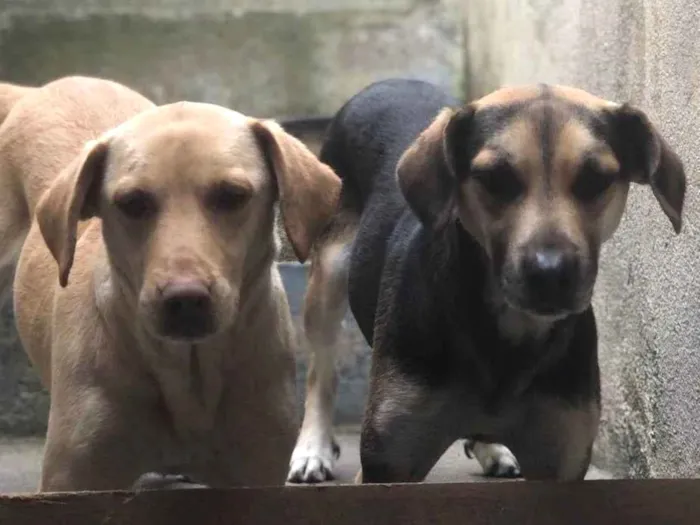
539,176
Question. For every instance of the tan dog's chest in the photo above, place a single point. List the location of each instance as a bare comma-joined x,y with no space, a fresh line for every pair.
212,427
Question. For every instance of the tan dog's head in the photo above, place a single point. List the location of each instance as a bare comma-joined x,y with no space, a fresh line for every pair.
185,193
539,176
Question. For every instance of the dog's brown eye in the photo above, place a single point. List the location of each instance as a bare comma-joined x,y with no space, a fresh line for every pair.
227,197
501,183
136,204
591,183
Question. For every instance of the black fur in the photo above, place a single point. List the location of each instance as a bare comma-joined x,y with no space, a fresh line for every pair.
422,297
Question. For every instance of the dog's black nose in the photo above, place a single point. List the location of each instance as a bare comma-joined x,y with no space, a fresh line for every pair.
187,311
550,275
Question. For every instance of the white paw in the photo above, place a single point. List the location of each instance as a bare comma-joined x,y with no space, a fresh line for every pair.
313,463
495,459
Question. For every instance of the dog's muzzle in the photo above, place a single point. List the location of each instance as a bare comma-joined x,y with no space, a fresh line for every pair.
186,310
549,282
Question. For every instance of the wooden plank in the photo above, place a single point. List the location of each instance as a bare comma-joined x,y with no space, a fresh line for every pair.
662,502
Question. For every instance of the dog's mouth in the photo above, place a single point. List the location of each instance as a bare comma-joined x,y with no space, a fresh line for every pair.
551,308
190,331
188,311
550,286
186,317
183,322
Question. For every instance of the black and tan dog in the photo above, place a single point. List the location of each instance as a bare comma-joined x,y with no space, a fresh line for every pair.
467,242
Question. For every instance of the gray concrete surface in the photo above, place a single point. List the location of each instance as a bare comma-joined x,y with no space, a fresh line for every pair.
20,464
648,294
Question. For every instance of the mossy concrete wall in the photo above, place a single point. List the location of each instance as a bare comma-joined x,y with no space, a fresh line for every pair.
648,295
268,58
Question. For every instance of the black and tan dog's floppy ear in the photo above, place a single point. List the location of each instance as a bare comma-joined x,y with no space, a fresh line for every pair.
73,196
308,189
427,173
648,159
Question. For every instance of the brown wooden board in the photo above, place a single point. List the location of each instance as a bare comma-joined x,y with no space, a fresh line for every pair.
663,502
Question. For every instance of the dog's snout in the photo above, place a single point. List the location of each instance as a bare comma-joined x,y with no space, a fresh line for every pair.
550,268
187,311
550,276
548,261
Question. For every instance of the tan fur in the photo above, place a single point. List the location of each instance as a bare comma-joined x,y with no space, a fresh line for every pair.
13,234
128,394
307,188
507,95
10,94
424,173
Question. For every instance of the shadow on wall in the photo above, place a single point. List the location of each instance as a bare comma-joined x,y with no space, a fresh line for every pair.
24,404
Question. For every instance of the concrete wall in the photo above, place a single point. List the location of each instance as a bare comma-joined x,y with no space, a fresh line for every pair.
263,57
268,58
648,295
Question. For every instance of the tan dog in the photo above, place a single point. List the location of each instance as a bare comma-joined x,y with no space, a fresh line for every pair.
166,341
12,204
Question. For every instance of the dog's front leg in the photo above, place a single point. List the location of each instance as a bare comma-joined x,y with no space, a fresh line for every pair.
555,440
407,428
325,305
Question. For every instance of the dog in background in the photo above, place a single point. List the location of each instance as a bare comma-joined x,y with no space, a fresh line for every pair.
466,244
146,293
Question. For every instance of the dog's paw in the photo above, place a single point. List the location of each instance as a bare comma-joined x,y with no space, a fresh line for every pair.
313,464
495,459
159,481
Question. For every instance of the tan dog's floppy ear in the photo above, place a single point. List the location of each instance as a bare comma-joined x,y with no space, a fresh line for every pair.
308,189
427,173
70,198
648,159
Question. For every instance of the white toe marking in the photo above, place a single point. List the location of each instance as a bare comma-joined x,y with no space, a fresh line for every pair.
496,459
313,459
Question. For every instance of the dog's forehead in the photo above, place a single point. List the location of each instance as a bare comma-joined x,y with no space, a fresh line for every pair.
206,118
539,127
523,96
190,129
177,141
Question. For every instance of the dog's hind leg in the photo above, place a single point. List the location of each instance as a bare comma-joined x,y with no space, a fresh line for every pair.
326,303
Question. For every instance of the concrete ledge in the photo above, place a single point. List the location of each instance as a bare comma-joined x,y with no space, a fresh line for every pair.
585,503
